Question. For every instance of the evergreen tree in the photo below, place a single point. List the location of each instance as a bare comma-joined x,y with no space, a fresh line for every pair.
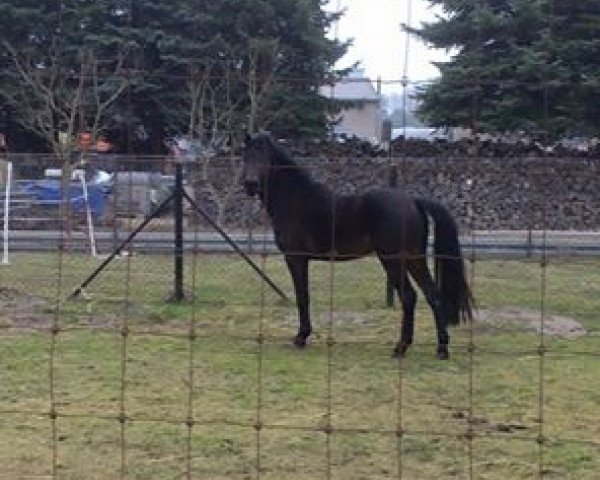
190,66
528,65
281,56
206,69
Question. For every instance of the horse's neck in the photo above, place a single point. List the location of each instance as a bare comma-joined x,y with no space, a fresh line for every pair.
288,186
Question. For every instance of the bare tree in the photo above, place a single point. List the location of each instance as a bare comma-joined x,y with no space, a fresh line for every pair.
212,111
58,95
262,64
55,100
216,105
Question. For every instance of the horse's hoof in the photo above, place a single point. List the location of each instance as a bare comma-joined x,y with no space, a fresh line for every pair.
442,353
300,342
400,350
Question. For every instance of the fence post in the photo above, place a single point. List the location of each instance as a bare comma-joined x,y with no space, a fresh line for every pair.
8,180
178,294
389,288
386,138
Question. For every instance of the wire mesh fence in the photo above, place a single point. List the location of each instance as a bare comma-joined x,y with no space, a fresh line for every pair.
120,383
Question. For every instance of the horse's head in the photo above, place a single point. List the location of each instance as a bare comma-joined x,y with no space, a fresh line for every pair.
256,157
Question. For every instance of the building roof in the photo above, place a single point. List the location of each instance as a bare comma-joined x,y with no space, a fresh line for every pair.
352,88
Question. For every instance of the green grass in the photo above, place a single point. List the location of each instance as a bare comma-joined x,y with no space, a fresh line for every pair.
236,381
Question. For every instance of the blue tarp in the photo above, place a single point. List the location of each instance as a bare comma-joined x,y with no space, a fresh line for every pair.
49,193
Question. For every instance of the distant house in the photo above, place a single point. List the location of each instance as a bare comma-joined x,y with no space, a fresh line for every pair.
362,117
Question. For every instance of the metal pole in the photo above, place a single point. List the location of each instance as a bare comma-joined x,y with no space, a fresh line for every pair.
386,138
115,202
178,294
123,244
88,215
393,183
7,211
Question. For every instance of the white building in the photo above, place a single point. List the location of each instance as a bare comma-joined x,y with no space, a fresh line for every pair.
363,117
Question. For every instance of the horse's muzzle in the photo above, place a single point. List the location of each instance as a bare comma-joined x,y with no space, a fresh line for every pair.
251,188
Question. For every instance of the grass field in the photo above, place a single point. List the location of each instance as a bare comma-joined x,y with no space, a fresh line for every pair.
227,381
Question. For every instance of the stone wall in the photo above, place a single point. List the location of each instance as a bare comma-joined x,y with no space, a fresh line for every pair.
486,193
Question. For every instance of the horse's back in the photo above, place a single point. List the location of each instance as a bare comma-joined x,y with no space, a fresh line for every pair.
395,221
384,221
320,224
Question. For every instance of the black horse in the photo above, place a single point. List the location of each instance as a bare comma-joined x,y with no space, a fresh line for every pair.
312,223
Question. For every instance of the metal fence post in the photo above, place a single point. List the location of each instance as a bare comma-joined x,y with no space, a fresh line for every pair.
178,294
386,138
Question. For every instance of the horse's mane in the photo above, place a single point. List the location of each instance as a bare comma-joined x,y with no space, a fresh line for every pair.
283,156
283,160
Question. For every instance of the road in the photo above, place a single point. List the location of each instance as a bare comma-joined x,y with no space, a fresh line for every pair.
484,244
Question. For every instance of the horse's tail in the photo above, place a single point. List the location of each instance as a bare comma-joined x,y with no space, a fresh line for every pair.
457,300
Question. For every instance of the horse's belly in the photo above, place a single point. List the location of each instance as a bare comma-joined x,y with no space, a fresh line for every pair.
345,249
356,249
316,240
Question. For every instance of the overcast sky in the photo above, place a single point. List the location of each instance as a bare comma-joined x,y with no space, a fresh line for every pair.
379,42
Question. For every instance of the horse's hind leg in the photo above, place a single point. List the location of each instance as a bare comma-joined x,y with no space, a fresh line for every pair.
396,272
420,272
408,297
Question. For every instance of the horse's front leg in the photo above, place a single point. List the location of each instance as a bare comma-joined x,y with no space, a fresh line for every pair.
298,267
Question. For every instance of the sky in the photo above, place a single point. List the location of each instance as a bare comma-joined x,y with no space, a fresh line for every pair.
379,42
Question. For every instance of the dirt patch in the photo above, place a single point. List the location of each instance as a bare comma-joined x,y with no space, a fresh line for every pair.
530,320
23,310
339,318
487,425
